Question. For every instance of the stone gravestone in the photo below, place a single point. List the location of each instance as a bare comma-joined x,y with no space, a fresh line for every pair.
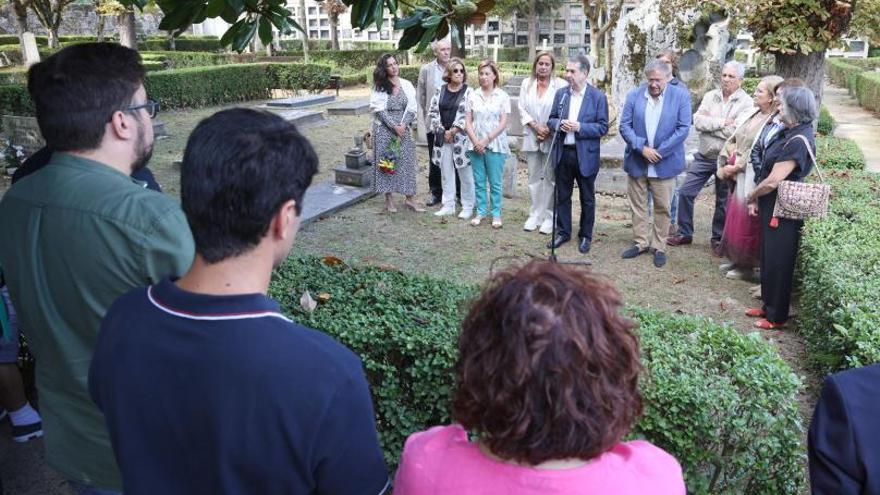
356,171
31,52
24,132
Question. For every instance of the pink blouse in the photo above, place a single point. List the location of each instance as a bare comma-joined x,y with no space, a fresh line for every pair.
441,460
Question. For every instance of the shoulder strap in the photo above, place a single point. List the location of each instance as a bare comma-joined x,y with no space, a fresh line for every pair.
812,156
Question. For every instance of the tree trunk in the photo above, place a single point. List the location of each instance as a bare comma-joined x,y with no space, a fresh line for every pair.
533,29
305,25
99,28
608,55
810,68
127,33
172,41
53,38
334,31
458,49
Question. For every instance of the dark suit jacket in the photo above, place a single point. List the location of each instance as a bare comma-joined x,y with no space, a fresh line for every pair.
41,158
675,123
844,440
593,117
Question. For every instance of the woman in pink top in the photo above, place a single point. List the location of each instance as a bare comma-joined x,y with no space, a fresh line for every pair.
548,384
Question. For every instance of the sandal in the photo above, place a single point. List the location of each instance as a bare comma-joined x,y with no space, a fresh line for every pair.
756,312
766,324
414,207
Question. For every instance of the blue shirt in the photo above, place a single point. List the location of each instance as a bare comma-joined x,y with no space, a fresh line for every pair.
225,395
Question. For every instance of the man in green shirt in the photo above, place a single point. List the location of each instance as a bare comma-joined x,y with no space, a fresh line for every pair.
79,233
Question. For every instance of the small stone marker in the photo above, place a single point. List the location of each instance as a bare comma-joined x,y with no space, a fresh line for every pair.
31,52
350,107
356,171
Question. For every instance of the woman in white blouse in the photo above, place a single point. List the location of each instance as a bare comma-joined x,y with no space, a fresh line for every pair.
535,102
486,127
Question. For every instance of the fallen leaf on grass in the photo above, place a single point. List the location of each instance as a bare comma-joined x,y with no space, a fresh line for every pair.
332,261
677,280
324,296
307,303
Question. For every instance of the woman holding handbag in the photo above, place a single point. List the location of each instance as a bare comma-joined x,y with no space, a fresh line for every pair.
741,239
446,118
393,104
787,156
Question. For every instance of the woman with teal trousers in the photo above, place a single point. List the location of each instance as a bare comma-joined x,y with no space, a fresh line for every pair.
486,126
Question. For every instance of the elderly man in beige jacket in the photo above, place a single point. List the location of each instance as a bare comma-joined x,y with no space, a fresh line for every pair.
715,120
430,79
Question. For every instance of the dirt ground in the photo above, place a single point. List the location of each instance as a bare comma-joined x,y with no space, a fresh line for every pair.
451,249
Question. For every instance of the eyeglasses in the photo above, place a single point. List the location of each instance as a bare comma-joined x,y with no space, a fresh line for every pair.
458,71
152,107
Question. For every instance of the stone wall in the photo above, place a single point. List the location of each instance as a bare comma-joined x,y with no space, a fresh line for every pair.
81,20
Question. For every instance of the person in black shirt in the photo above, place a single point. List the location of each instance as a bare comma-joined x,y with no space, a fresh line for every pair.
788,155
205,386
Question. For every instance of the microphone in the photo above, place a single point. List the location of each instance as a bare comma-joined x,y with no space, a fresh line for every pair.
562,102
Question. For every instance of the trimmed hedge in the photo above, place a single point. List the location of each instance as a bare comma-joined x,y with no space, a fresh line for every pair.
202,86
17,75
862,83
356,59
839,266
834,153
723,403
182,60
826,122
206,44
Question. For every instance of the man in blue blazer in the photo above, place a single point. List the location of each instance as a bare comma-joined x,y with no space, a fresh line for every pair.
655,121
580,115
844,440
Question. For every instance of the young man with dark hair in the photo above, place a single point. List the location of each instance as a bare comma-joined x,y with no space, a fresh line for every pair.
206,387
79,233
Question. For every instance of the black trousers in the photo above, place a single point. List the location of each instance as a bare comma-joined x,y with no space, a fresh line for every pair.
435,182
779,247
567,173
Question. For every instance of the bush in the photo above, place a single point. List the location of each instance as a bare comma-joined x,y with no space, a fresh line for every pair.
310,77
749,84
838,154
183,43
356,59
868,90
15,100
842,73
839,266
874,51
296,45
182,60
153,65
205,86
16,75
723,403
826,123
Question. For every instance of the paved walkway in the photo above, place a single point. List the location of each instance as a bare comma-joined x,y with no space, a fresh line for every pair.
856,123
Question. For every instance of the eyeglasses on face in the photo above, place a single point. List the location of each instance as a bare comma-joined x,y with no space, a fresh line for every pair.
458,71
152,107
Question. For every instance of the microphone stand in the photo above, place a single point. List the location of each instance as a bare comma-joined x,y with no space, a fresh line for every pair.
552,258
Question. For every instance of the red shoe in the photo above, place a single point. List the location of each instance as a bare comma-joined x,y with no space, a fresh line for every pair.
766,324
756,312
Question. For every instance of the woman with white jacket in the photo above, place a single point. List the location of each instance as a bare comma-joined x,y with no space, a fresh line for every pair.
393,103
535,102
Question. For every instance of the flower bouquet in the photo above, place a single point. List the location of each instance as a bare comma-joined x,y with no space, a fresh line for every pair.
388,163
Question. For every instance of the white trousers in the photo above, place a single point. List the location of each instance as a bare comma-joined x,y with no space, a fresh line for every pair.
540,191
465,177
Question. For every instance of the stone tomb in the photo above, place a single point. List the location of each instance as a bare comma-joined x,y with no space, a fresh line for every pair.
357,171
301,117
350,107
301,101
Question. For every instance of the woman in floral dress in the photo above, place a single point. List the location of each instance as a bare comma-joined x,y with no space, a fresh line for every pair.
393,103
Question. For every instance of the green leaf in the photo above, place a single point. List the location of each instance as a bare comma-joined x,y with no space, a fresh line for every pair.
178,18
215,8
237,5
410,37
410,21
230,33
200,15
265,30
229,14
427,38
244,35
432,21
378,16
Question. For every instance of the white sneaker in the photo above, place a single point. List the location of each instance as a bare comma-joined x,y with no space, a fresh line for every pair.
546,226
477,220
531,224
726,267
496,223
735,274
465,214
444,211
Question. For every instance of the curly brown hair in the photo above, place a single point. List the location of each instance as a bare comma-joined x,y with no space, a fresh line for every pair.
548,367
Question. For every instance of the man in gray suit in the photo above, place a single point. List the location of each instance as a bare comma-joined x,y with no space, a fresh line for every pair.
431,78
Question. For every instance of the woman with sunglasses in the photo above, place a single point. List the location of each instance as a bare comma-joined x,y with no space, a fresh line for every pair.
447,120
